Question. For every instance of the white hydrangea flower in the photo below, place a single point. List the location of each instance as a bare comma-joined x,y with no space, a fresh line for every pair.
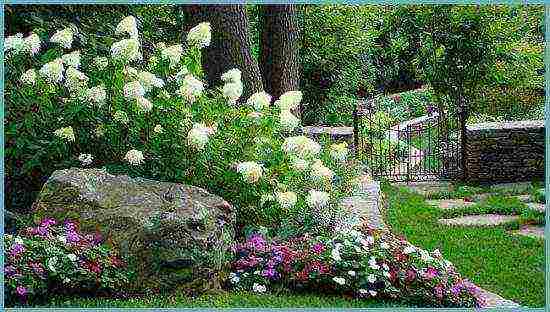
288,121
289,100
232,91
144,104
339,280
75,80
320,172
251,171
133,90
149,80
65,133
100,62
232,75
72,257
122,117
128,26
131,72
258,288
134,157
255,115
71,59
96,95
299,164
287,200
52,71
301,146
32,43
191,88
259,100
180,76
63,37
127,50
158,129
339,151
351,273
317,199
172,54
29,77
200,35
371,278
197,137
14,43
86,159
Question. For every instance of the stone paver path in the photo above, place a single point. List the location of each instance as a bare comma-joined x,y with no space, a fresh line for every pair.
524,198
492,300
365,204
479,220
535,231
536,206
446,204
427,188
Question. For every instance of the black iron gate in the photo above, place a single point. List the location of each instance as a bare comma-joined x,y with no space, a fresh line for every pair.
403,149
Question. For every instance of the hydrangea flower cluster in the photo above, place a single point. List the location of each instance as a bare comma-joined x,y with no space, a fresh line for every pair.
63,37
362,264
251,171
58,253
198,136
16,44
233,87
200,35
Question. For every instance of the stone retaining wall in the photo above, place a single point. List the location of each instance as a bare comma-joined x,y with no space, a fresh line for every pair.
505,151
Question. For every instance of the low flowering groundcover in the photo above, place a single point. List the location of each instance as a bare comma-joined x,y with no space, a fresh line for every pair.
55,257
366,264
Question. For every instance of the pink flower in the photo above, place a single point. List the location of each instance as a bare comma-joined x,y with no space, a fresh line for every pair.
411,276
21,291
16,250
47,222
318,248
431,273
438,291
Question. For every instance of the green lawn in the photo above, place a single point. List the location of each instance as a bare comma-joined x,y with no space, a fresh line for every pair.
226,300
511,266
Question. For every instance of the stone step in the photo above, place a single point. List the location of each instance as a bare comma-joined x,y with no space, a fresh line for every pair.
535,231
536,206
479,220
447,204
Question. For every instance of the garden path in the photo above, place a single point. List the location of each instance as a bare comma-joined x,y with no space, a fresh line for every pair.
415,155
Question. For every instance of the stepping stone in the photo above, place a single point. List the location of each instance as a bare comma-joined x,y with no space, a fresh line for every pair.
427,188
482,196
515,187
446,204
536,206
524,198
536,231
479,220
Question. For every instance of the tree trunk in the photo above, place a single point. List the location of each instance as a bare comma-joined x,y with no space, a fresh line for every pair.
279,49
230,45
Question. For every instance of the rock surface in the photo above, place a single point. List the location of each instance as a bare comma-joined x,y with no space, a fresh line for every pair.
172,234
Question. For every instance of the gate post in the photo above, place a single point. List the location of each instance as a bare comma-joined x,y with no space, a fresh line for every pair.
356,130
463,116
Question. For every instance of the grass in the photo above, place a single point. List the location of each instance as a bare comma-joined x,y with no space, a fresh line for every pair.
509,265
225,300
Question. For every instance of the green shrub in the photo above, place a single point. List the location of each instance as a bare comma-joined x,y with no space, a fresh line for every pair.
175,131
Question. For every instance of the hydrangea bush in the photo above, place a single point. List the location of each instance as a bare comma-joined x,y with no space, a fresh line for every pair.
151,115
361,264
55,257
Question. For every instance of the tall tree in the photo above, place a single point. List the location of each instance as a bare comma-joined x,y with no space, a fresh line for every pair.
230,45
279,48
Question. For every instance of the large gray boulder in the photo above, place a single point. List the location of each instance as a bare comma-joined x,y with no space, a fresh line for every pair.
173,235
